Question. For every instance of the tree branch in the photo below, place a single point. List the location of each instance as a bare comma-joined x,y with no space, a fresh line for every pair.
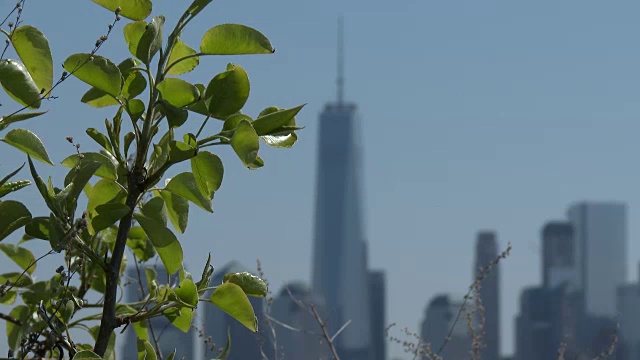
10,319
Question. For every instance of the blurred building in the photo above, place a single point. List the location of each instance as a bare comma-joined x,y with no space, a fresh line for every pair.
600,232
298,333
547,320
486,252
440,316
558,264
377,293
169,337
629,321
244,343
340,274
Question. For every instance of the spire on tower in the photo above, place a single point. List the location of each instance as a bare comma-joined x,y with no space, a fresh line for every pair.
340,79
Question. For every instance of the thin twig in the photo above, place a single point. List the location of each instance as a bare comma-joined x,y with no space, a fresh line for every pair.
326,335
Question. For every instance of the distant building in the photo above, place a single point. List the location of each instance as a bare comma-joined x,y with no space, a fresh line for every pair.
377,294
558,255
629,321
439,318
304,340
600,231
340,274
486,252
244,343
169,337
547,319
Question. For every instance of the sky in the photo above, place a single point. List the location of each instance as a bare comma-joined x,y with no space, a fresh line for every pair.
475,115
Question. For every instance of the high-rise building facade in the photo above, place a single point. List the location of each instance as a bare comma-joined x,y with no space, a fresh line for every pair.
439,319
558,264
340,274
302,337
377,295
628,304
486,252
600,231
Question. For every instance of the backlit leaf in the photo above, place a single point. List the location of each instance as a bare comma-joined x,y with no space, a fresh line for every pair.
13,215
230,298
29,143
21,256
96,71
164,241
33,48
227,92
184,184
19,84
131,9
234,39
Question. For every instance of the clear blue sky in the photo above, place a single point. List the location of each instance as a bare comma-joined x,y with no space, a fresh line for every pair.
476,114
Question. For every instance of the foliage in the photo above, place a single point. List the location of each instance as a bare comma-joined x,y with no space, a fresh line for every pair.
126,206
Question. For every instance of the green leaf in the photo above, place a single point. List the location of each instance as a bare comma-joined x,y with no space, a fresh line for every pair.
145,350
56,234
131,9
179,151
178,92
38,228
13,186
208,171
96,71
234,39
5,121
141,329
128,139
230,298
197,6
180,318
232,122
274,121
33,48
103,192
135,109
177,209
246,144
16,332
184,184
175,117
100,138
155,209
134,85
250,284
21,256
172,355
227,92
13,215
187,292
98,98
200,106
29,143
164,241
179,51
11,174
140,245
144,39
16,279
107,169
8,298
108,214
80,177
87,354
17,82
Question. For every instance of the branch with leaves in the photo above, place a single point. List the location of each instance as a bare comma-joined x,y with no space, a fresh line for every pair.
127,210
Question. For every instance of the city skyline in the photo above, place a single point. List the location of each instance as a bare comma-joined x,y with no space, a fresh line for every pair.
500,115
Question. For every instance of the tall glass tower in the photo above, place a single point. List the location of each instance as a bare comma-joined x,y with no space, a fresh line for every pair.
340,273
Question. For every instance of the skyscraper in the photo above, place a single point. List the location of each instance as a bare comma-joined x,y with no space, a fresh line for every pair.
486,252
340,273
304,341
600,230
558,263
377,295
439,318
